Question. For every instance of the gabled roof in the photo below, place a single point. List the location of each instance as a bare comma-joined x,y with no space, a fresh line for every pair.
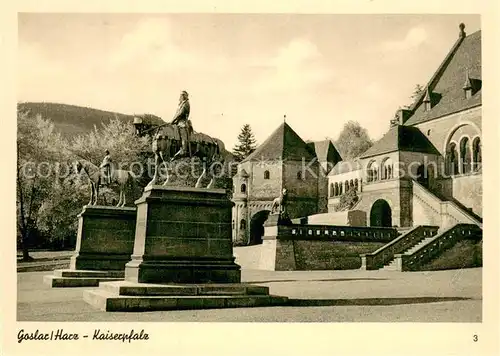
324,150
401,138
345,167
447,83
283,144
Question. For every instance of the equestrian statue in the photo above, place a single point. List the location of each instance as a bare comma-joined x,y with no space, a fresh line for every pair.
106,174
177,139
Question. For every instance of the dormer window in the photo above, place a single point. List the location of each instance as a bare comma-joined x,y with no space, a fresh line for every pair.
471,86
427,100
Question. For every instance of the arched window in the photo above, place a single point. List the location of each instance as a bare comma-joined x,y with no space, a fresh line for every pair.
299,175
465,155
356,185
351,184
336,189
340,188
243,224
476,154
386,169
371,172
243,188
332,189
266,175
452,159
346,186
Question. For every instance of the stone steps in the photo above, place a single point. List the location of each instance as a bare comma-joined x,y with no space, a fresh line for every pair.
126,296
391,265
88,273
67,278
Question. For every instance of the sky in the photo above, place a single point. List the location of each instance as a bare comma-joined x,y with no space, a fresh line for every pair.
319,70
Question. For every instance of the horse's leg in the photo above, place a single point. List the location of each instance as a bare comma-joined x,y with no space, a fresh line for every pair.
124,200
162,156
96,186
91,186
120,196
157,167
203,174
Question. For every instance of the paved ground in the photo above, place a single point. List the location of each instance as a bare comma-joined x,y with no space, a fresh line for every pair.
317,296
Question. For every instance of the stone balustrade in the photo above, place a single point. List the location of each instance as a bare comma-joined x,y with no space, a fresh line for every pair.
386,253
333,232
442,242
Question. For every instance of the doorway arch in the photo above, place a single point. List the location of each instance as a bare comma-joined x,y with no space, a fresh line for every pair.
257,226
381,214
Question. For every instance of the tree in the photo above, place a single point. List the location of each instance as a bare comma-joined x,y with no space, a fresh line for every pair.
417,91
38,152
347,201
246,143
353,141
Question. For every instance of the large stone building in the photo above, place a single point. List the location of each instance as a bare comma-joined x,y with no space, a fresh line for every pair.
426,170
284,160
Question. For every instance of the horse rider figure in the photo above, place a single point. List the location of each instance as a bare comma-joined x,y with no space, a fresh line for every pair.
106,167
181,119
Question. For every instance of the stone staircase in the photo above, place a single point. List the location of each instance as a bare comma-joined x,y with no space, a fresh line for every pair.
127,296
432,248
392,264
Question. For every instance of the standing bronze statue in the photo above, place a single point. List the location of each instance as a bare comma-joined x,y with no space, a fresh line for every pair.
106,168
184,126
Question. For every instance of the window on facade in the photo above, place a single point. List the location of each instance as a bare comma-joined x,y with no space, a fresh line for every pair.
299,175
452,159
346,186
340,188
476,154
266,175
371,172
351,184
332,189
356,185
387,169
243,224
336,189
465,155
243,188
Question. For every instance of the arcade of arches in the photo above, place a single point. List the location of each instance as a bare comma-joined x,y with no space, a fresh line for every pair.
463,156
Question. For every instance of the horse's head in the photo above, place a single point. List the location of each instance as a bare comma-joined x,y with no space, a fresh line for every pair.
77,166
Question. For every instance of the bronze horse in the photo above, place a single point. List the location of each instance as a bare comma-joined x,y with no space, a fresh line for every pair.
95,175
167,146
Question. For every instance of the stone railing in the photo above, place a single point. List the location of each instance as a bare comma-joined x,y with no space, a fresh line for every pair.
446,208
432,249
386,253
335,232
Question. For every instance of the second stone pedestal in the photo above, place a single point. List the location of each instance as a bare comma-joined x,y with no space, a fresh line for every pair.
104,245
183,235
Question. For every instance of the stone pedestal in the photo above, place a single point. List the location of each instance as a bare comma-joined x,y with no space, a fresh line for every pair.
104,245
105,238
183,235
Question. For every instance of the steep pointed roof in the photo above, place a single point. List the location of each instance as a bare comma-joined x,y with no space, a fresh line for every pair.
283,144
447,82
401,138
324,150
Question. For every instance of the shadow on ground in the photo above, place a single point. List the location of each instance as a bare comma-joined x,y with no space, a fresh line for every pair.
369,301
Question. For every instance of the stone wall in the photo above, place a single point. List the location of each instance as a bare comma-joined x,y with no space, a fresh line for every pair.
468,191
320,247
326,255
439,131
